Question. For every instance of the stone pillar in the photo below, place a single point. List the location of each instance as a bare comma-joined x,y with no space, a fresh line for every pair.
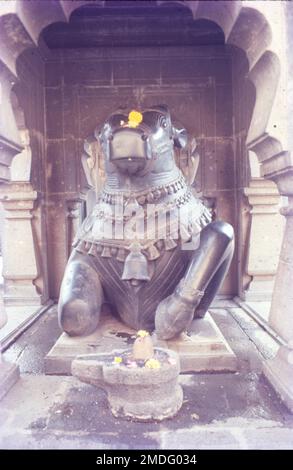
10,145
19,259
266,232
279,370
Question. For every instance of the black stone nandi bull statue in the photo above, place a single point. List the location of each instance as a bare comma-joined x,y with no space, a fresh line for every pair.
149,246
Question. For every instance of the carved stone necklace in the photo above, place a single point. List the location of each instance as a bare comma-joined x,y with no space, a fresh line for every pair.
147,196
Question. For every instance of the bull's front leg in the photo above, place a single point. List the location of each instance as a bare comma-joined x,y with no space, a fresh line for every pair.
81,297
203,278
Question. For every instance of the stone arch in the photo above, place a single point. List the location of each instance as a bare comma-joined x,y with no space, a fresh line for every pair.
252,33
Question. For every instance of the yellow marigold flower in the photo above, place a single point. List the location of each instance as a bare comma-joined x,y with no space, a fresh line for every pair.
142,333
134,118
117,359
152,364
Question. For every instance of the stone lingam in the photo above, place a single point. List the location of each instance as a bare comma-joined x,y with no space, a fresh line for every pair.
141,382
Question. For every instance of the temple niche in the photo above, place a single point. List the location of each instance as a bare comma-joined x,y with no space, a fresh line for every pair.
87,83
61,74
189,66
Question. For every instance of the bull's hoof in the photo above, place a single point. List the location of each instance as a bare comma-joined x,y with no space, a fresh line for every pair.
76,319
173,315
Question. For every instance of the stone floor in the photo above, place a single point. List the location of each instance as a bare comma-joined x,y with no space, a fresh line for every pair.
221,410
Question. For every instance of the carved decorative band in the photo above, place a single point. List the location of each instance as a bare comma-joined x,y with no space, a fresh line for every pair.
147,196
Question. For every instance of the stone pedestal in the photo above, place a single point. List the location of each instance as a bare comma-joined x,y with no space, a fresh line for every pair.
265,240
19,258
204,349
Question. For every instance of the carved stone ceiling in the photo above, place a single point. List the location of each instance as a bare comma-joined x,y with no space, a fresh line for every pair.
124,24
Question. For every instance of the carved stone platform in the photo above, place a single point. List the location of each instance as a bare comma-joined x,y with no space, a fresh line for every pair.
203,349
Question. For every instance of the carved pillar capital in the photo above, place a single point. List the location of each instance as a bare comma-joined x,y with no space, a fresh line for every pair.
18,197
263,196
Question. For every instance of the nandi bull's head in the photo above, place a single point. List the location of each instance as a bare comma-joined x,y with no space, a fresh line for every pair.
138,142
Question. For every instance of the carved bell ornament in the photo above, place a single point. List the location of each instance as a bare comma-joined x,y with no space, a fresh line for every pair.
136,264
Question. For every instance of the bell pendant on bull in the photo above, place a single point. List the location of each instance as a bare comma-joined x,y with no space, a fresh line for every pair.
136,264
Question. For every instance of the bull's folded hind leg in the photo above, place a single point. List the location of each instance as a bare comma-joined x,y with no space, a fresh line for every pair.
203,278
81,297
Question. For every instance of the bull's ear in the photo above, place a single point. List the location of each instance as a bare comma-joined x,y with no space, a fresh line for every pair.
180,137
161,107
101,133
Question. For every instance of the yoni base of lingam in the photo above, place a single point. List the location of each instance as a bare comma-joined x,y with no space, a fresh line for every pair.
141,382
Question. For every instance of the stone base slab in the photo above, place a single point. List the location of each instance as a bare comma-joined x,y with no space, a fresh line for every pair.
9,374
203,349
